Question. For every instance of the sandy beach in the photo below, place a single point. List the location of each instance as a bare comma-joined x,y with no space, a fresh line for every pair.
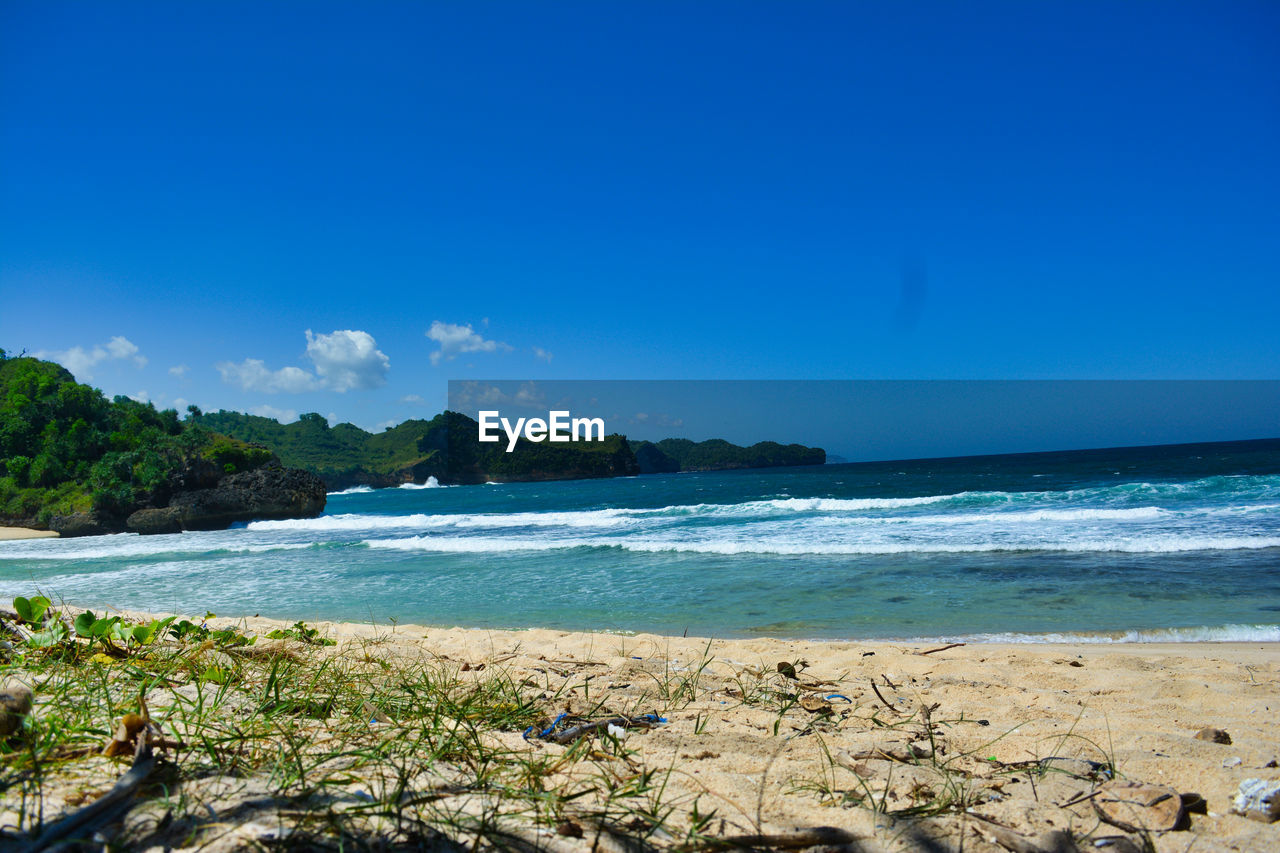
975,747
14,533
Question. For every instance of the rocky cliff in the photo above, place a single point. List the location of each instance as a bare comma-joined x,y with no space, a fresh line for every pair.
206,503
271,491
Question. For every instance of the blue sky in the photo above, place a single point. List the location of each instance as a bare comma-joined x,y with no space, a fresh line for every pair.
737,190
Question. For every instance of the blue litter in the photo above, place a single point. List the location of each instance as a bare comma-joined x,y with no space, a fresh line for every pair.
550,733
549,729
840,696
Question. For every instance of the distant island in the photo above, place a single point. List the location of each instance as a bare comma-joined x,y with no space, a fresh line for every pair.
447,448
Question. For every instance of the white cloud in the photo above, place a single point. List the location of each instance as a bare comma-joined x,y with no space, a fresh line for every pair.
181,403
178,370
413,399
122,348
455,340
284,416
472,394
252,375
539,352
530,395
348,359
82,362
140,397
344,360
661,419
385,425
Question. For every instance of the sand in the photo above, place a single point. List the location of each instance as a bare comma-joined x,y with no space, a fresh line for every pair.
744,746
10,533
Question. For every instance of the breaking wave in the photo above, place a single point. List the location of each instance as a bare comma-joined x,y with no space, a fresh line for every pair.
356,521
354,490
805,545
431,483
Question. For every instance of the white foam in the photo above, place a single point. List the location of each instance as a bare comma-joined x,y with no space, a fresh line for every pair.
357,521
352,521
829,511
836,510
464,545
798,505
354,490
431,483
850,504
805,545
585,518
1146,513
125,545
1198,634
1148,545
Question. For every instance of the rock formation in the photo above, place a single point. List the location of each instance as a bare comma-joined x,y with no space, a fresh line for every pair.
271,491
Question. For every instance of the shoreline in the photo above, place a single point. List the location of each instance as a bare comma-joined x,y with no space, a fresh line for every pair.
1167,639
349,629
777,735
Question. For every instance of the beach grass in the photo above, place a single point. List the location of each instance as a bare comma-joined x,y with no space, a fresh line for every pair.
336,749
264,735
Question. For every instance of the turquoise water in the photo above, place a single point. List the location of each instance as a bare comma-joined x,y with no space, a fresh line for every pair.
1160,543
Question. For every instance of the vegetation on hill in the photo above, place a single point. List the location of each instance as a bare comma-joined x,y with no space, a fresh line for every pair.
447,447
461,457
341,455
66,449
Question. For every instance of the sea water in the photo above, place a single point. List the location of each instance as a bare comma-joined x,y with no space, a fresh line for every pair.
1171,543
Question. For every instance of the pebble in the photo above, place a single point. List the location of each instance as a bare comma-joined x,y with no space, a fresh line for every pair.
15,703
1258,799
1213,735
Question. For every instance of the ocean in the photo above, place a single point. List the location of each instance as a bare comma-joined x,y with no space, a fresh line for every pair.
1174,543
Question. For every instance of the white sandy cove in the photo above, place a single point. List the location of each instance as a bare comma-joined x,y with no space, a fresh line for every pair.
1137,705
10,533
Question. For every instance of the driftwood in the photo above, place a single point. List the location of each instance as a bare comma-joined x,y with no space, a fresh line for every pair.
882,699
569,662
84,821
812,837
941,648
904,754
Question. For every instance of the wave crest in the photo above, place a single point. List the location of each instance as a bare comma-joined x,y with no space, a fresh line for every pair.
1150,545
